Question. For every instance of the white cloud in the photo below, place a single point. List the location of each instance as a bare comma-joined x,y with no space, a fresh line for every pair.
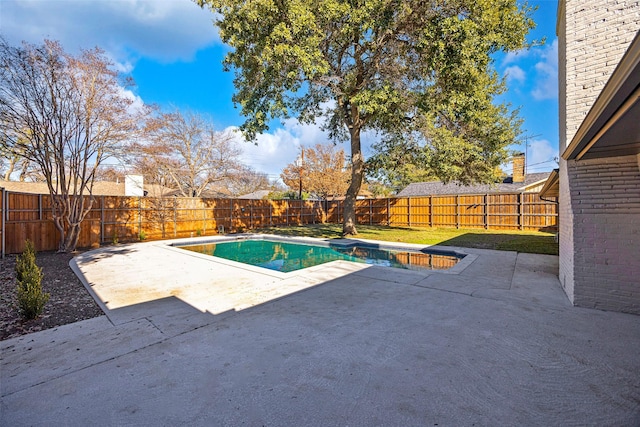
514,73
546,80
515,56
541,155
273,151
166,30
137,104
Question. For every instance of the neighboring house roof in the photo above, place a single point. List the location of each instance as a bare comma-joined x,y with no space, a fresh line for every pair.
206,194
611,128
101,188
506,186
551,186
256,195
363,194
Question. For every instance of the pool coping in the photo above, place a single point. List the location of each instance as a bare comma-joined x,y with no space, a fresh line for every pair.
466,258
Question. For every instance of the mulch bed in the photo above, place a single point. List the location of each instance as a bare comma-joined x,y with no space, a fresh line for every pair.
69,301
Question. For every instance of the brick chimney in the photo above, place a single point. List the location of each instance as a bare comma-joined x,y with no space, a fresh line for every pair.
518,167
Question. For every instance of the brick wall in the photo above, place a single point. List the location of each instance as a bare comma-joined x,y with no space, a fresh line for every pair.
599,208
605,196
596,33
565,233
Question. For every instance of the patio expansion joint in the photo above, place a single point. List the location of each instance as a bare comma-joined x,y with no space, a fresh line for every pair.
151,322
398,282
70,372
164,339
417,283
513,270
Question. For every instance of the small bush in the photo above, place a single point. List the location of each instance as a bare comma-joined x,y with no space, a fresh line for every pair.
31,299
142,235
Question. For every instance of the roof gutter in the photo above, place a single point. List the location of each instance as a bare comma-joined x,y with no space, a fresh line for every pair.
550,188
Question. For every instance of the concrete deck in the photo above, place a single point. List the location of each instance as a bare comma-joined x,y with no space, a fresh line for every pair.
188,340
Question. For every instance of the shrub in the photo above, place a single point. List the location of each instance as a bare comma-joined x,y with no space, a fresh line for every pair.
31,299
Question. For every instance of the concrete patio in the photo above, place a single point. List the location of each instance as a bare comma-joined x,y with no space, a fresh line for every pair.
188,340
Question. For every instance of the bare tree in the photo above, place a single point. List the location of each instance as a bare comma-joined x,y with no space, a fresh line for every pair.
246,180
110,173
12,164
189,152
66,114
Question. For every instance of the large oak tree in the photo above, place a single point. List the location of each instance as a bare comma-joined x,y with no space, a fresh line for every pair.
398,67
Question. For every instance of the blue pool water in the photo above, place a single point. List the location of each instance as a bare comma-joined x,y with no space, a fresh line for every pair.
286,257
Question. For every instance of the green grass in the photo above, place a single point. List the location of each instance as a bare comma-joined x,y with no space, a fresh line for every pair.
505,240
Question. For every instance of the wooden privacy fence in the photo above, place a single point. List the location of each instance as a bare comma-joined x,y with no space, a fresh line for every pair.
496,211
119,219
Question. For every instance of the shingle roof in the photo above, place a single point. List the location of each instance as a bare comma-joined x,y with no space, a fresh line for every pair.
101,188
256,195
437,187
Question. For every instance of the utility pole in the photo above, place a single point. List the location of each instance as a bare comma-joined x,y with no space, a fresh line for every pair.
526,149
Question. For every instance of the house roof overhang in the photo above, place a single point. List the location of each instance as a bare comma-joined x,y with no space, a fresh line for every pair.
612,126
551,187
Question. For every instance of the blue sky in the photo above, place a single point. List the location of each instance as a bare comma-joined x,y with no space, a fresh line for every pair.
172,50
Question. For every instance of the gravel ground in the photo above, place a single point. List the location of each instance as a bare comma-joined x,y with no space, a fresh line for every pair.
69,301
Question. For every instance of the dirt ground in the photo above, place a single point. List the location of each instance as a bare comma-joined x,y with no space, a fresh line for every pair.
69,301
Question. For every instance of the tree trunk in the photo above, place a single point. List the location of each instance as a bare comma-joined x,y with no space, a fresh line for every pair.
58,222
12,165
357,172
71,239
57,212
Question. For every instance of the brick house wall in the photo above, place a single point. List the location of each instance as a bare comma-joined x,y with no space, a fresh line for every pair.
599,209
605,195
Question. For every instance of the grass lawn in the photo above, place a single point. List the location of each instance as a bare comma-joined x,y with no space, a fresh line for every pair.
505,240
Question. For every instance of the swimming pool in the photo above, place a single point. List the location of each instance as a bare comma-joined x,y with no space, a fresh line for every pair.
288,256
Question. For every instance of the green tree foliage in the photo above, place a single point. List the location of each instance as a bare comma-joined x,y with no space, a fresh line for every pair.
409,68
31,298
399,161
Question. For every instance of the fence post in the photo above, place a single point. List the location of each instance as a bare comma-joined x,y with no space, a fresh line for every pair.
204,217
370,213
139,217
486,211
409,211
4,214
431,211
457,211
251,214
521,210
175,219
101,219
